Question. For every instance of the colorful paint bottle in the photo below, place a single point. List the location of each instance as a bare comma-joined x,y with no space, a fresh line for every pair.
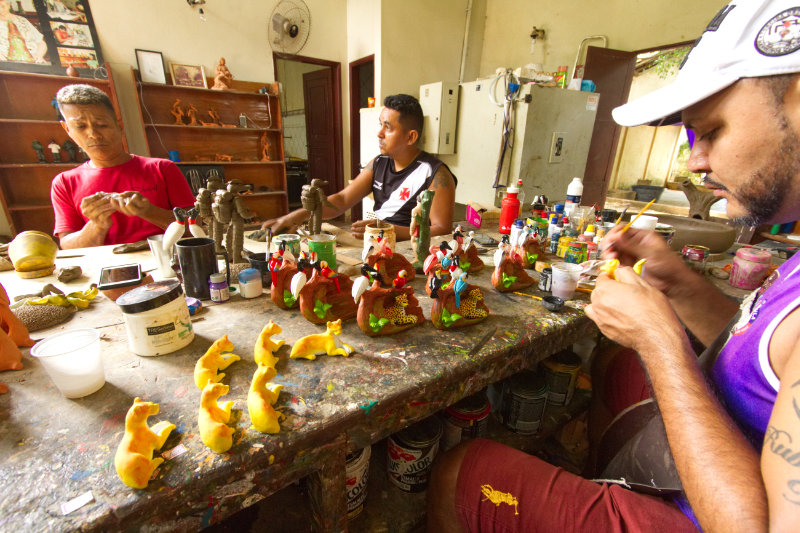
509,208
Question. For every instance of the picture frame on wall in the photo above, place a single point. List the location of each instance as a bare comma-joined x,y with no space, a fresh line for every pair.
188,75
55,35
151,66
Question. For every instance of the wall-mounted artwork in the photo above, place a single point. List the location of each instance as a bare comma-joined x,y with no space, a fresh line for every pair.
47,36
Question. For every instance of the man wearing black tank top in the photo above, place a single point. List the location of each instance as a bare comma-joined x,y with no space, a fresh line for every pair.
395,178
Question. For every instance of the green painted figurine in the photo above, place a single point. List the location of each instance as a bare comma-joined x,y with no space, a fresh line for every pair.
420,228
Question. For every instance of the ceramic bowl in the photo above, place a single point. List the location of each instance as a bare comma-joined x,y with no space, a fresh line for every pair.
33,254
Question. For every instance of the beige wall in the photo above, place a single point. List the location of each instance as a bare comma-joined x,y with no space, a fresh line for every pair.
628,26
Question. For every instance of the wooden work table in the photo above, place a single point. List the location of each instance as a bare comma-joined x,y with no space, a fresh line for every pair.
54,449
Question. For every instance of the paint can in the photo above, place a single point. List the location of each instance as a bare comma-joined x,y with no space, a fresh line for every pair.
356,477
546,279
465,420
410,454
524,399
561,374
156,318
695,256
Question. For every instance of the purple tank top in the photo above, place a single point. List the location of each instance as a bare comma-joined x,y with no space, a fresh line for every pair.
742,375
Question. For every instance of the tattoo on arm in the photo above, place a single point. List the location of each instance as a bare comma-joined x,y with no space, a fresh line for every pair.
793,486
440,179
779,442
794,401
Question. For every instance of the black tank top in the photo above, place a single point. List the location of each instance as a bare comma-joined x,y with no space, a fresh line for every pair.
395,193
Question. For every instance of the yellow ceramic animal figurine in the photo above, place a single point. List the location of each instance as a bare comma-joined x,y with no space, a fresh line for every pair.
322,343
213,360
266,347
261,398
212,418
134,459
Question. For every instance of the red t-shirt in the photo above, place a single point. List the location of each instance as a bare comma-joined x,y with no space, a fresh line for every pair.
159,180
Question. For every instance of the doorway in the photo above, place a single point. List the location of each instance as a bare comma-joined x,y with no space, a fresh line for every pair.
312,121
362,88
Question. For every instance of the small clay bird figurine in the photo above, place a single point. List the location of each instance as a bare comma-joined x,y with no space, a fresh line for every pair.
175,230
194,228
459,287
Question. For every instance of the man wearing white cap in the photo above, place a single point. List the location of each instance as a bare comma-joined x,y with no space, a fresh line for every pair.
732,416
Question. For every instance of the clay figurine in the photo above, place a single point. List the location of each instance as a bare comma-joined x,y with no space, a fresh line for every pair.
191,112
260,399
177,112
387,263
385,311
280,292
194,228
212,419
509,274
72,150
55,149
223,78
265,348
314,199
322,298
470,252
205,216
231,212
216,228
39,149
217,357
175,230
527,248
264,147
13,334
458,304
420,228
134,461
328,343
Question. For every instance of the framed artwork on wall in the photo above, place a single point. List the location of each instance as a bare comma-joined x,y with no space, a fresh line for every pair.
187,75
151,66
48,36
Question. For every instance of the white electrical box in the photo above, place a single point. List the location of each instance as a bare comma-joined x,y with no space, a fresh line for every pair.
439,103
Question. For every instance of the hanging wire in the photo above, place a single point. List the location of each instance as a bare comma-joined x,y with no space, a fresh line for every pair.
511,91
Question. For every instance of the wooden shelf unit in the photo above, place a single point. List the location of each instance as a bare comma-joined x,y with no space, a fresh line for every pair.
201,145
26,114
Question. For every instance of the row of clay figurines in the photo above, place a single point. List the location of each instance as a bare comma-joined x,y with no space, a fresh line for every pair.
69,147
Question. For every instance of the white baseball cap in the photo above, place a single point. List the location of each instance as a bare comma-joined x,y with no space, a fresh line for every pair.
747,38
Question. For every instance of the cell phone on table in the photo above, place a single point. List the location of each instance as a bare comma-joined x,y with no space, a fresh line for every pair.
115,277
486,240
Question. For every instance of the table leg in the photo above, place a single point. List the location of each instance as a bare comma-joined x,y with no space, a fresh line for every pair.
328,493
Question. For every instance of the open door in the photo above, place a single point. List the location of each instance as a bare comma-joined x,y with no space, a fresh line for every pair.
612,73
321,132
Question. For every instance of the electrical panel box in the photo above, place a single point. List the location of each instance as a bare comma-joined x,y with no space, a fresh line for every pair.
439,103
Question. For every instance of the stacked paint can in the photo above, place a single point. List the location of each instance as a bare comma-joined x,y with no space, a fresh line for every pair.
561,374
465,420
524,399
410,454
356,477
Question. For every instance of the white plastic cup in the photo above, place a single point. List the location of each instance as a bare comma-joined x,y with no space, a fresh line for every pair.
645,222
565,279
72,360
162,257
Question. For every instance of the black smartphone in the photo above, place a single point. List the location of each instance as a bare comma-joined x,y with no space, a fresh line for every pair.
486,240
115,277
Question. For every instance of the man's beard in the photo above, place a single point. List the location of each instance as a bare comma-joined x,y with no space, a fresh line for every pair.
763,194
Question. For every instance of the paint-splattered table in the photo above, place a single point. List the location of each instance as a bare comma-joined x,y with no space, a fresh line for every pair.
54,449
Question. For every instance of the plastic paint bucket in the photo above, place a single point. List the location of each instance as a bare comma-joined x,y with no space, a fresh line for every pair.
410,454
356,477
561,374
156,318
466,419
524,401
324,245
72,360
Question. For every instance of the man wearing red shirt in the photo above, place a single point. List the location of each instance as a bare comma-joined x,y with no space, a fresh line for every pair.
114,197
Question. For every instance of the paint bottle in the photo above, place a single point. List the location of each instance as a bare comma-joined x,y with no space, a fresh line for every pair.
509,208
555,235
574,193
218,288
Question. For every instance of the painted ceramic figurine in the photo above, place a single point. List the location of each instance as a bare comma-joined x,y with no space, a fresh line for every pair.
134,461
265,347
328,343
388,264
458,304
509,274
527,248
280,292
385,311
420,228
215,358
13,334
323,298
212,419
260,399
472,262
175,230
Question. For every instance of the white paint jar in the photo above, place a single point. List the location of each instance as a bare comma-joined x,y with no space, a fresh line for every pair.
156,318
